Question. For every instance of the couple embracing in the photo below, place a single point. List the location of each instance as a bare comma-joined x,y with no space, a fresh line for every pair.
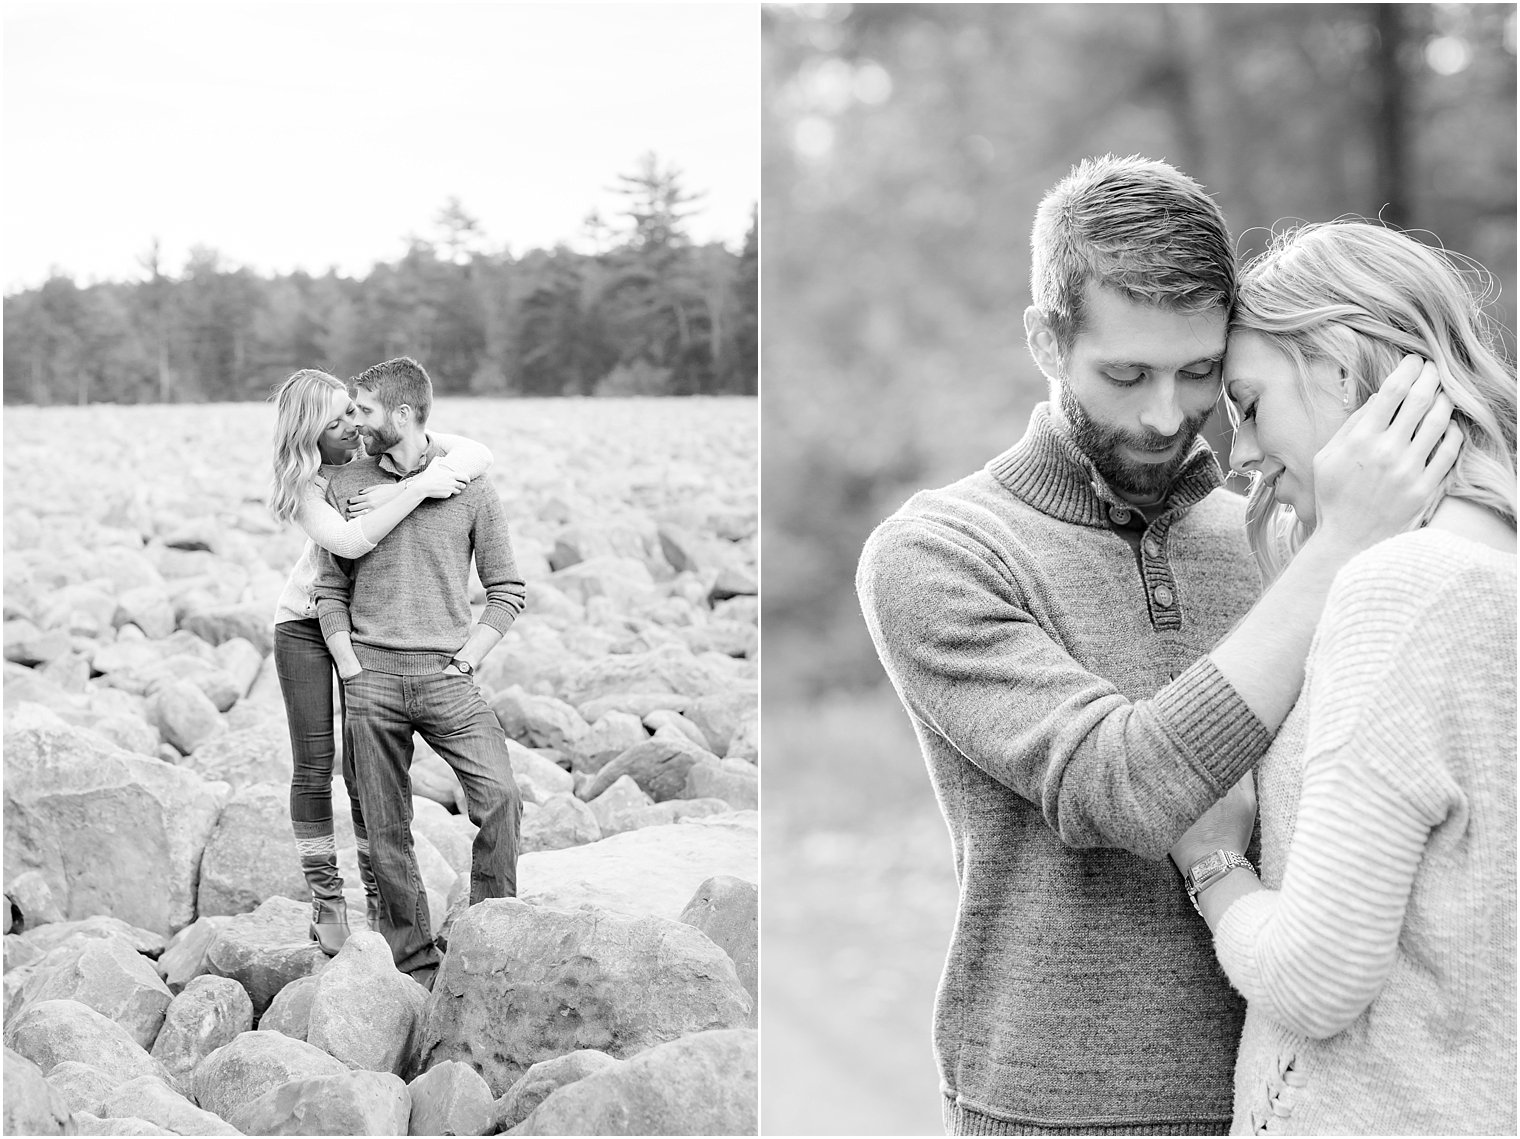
1230,783
381,594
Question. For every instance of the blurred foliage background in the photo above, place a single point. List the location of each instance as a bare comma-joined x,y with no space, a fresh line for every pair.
636,308
906,147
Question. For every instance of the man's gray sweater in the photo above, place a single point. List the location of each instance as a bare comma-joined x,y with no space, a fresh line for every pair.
406,603
1073,730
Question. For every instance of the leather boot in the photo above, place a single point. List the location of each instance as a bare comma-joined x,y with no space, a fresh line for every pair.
319,863
329,924
367,877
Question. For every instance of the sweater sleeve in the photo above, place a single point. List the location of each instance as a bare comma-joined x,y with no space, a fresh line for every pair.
328,529
506,594
1383,696
464,457
973,666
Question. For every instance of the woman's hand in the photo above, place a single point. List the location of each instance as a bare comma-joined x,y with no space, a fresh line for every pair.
373,497
438,482
1380,470
1227,825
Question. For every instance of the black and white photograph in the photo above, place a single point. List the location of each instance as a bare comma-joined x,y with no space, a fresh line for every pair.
1138,481
381,559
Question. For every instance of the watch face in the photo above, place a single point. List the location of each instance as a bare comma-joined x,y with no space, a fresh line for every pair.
1208,866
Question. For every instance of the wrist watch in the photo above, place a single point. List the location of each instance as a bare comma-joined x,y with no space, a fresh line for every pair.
1210,869
463,666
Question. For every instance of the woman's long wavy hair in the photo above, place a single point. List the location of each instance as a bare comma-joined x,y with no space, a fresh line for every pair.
301,409
1361,296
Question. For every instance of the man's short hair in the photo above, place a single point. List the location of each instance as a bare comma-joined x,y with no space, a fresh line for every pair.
1134,225
399,381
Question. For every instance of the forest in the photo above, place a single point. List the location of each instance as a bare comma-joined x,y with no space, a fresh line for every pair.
637,308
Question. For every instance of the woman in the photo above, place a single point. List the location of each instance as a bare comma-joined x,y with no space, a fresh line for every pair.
315,429
1377,951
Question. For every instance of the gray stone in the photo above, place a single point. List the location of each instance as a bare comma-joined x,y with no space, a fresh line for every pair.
45,939
615,806
50,1032
658,766
562,820
33,901
611,735
539,1081
635,704
521,984
241,660
105,974
432,777
87,1123
538,721
32,1105
251,854
26,644
83,1087
242,757
667,719
127,569
148,607
252,1063
363,1011
705,1083
727,910
221,623
720,714
209,1012
185,957
709,779
265,950
290,1011
537,778
670,669
350,1103
449,1099
184,715
745,742
151,1099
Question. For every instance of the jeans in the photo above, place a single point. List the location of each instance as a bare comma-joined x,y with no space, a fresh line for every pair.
448,711
305,669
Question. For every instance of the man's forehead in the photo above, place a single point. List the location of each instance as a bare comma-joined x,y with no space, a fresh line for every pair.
1118,328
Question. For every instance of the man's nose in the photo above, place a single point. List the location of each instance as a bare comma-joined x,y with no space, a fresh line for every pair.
1163,412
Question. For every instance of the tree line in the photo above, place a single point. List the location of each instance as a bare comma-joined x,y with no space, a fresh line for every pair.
645,312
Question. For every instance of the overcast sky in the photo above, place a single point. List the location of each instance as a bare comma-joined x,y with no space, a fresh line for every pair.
311,135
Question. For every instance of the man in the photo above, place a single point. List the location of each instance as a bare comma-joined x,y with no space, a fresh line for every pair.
1071,630
397,622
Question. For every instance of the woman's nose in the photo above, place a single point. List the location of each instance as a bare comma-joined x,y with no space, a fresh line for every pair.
1244,453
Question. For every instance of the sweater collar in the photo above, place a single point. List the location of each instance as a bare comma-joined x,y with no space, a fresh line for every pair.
1047,470
391,467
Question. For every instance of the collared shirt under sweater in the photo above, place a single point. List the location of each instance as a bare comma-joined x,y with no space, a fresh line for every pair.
1073,729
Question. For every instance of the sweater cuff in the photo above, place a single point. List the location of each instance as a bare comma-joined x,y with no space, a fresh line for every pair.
334,619
1221,733
1236,938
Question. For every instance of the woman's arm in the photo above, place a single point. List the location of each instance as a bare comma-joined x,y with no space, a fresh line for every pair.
463,456
355,537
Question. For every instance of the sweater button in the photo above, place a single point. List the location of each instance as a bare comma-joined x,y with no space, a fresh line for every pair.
1151,547
1119,515
1163,596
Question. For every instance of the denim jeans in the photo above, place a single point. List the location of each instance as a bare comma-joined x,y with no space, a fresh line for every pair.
305,669
448,711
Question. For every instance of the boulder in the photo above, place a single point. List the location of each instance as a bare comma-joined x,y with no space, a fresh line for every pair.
733,581
240,660
350,1103
105,974
451,835
153,1100
431,775
363,1011
47,938
635,704
217,624
537,721
32,901
50,1032
705,1083
87,1123
710,779
26,644
184,715
537,777
290,1011
671,669
250,1064
126,569
611,735
32,1105
654,870
745,742
521,984
617,804
126,655
658,766
242,757
727,910
148,607
450,1099
112,832
561,820
209,1012
185,957
535,1085
266,950
668,720
83,1087
720,714
251,854
624,581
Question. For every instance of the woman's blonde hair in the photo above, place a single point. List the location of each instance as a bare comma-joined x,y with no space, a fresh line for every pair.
302,408
1360,296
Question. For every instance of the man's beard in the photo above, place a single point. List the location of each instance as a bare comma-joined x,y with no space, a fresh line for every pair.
380,439
1101,445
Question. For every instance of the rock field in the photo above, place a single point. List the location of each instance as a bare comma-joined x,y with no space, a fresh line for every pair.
158,977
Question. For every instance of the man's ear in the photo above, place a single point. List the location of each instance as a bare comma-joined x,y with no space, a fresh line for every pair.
1043,345
403,415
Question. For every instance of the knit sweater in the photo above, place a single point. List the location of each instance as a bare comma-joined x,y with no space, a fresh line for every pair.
406,602
1073,729
326,528
1379,963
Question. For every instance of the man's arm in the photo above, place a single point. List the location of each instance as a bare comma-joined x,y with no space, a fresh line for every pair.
506,594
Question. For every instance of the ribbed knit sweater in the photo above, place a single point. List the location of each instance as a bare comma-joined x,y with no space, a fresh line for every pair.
406,603
1379,963
326,528
1073,729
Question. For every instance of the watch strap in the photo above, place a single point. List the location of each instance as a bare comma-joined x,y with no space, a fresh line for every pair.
1210,869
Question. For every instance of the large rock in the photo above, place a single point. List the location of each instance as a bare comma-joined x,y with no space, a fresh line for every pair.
32,1105
185,957
112,832
83,1087
32,901
242,661
624,581
158,1103
87,1123
608,738
451,835
670,669
735,782
635,704
706,1083
107,975
521,984
720,714
562,820
615,806
654,870
184,715
659,766
45,939
266,950
251,855
450,1099
50,1032
537,777
148,607
363,1011
217,624
246,756
538,721
290,1011
209,1012
727,910
241,1071
536,1084
350,1103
